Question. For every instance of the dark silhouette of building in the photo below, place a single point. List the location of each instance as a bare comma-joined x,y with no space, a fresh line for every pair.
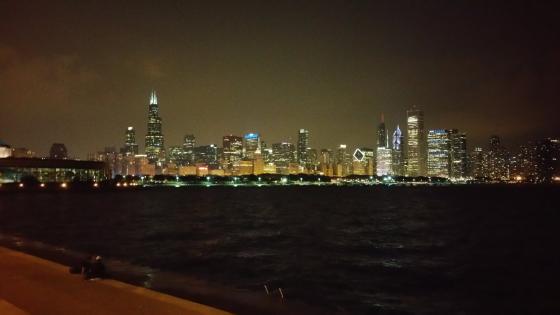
58,151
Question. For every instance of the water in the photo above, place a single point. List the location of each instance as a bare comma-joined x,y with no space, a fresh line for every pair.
333,250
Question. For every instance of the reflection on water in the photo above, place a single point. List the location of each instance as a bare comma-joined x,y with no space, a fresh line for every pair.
348,250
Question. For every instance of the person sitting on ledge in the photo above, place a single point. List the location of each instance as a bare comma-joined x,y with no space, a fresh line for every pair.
96,269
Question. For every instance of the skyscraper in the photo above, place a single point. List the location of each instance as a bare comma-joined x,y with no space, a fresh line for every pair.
496,160
283,154
439,152
382,134
398,152
416,143
302,145
189,144
58,151
384,155
459,157
251,145
233,150
130,145
154,138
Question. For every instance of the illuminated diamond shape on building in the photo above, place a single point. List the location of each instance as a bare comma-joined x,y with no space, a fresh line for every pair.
359,155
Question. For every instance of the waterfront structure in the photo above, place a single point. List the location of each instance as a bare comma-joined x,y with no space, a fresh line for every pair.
439,155
398,153
189,143
154,138
232,150
251,145
52,170
130,145
458,155
416,143
58,151
302,145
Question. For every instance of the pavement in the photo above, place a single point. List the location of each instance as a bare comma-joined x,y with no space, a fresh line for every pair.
35,286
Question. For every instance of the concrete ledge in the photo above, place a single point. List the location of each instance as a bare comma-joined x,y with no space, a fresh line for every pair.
31,285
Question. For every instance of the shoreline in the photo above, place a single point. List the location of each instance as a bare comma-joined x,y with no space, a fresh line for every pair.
182,287
33,285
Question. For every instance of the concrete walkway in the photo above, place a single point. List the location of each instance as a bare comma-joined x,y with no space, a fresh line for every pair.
31,285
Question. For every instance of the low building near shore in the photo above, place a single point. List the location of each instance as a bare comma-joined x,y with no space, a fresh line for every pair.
52,170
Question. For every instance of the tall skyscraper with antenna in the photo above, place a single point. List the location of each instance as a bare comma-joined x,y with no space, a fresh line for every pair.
155,151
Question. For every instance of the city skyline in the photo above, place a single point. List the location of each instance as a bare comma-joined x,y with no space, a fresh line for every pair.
276,68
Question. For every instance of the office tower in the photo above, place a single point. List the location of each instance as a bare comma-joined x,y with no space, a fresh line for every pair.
130,145
177,156
207,154
189,144
342,161
439,152
382,136
58,151
312,160
547,163
326,162
384,155
284,154
416,143
398,152
459,157
232,150
154,137
496,160
251,145
476,163
363,161
302,145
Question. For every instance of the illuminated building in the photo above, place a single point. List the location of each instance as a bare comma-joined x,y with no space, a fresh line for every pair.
58,151
363,161
496,161
130,145
188,170
232,150
189,144
283,154
22,153
244,167
312,160
326,162
476,163
251,145
342,161
52,170
143,166
547,156
398,153
5,150
154,137
439,152
416,143
459,157
302,145
384,159
176,155
207,154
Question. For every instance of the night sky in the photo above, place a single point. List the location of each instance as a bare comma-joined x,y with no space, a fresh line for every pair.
80,72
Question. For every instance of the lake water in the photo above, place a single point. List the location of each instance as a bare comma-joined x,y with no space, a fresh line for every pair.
333,250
